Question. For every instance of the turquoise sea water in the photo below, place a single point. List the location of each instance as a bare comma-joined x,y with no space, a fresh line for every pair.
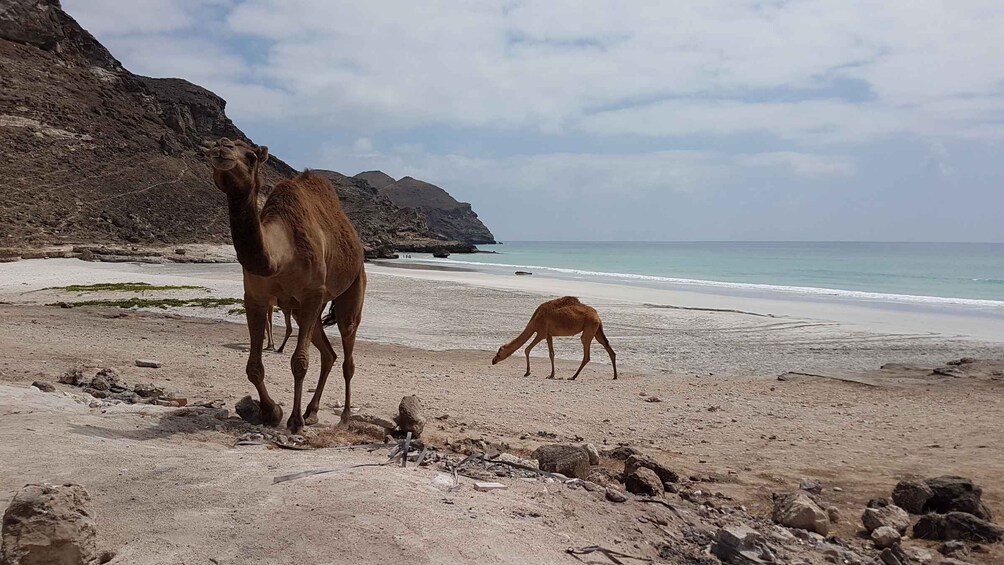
963,273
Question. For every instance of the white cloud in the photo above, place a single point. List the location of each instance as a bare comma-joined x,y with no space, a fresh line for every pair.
802,164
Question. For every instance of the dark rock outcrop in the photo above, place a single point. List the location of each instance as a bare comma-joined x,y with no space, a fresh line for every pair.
912,496
446,216
956,494
956,526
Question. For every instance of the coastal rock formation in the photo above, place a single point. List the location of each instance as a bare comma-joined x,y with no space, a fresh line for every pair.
51,524
446,216
96,154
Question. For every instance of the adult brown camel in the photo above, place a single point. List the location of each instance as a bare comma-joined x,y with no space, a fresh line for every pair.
564,316
299,251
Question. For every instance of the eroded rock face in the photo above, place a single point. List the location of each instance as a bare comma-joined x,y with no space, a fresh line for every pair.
50,525
890,516
957,526
956,494
885,536
569,460
797,510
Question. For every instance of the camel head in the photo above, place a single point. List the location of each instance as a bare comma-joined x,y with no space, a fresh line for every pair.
236,165
502,355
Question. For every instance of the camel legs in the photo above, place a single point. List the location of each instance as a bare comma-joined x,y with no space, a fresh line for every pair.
307,315
602,338
328,357
256,318
587,340
268,330
349,312
289,329
550,352
536,339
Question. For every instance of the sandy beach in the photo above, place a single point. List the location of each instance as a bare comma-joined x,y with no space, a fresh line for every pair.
723,416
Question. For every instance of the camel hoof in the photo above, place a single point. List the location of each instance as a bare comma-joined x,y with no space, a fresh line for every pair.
295,423
345,417
310,418
271,416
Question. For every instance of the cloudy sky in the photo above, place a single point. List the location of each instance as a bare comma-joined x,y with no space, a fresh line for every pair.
712,120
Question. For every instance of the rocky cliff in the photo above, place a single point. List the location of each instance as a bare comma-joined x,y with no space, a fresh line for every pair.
446,216
92,153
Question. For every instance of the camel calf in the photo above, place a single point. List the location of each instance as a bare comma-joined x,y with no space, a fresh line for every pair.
564,316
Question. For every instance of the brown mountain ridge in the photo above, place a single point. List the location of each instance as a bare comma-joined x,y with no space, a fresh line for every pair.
93,153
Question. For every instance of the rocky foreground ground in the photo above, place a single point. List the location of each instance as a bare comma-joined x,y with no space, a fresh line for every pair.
687,469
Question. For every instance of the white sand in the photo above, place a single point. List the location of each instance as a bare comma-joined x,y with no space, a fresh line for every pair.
652,329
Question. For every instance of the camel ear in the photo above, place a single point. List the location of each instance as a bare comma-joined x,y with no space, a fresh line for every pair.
262,153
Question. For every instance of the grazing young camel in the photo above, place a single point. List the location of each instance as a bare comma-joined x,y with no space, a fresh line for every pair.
564,316
300,251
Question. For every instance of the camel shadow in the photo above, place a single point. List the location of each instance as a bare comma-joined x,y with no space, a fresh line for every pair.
187,421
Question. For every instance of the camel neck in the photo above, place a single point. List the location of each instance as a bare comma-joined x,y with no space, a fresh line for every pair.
245,229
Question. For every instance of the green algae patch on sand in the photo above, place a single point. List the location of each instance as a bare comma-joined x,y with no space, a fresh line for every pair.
154,302
124,287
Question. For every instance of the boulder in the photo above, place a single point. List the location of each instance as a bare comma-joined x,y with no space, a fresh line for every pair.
892,516
956,526
797,510
49,524
739,544
149,363
953,548
885,536
410,417
594,455
569,460
833,513
956,494
643,481
74,376
638,461
912,496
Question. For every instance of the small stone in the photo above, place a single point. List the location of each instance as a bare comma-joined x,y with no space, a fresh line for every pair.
489,486
885,537
797,510
44,386
643,481
569,460
100,382
149,363
410,416
891,515
622,452
249,410
638,460
74,376
653,399
591,486
810,485
614,495
833,513
912,496
594,455
953,548
96,393
148,390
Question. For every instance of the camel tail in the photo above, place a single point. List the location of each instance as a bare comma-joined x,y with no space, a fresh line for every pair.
330,319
